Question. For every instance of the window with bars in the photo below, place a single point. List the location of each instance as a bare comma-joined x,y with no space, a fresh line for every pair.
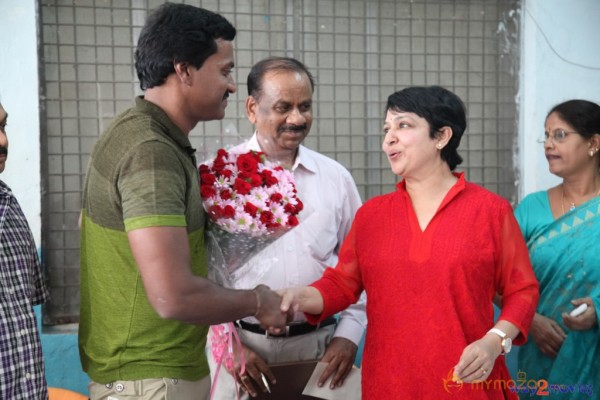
359,50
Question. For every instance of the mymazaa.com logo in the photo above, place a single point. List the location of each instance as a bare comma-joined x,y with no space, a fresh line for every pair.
521,385
450,385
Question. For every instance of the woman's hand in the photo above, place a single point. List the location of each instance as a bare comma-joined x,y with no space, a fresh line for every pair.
584,321
477,359
547,334
305,299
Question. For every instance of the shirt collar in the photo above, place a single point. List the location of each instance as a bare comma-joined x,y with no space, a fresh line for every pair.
5,190
303,158
170,129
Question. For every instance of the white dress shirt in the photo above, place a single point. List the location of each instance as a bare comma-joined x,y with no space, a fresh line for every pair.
301,255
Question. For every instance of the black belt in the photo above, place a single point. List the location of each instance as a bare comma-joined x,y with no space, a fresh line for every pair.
293,329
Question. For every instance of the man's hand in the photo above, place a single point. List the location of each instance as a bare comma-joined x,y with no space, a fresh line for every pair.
268,310
252,381
340,355
547,335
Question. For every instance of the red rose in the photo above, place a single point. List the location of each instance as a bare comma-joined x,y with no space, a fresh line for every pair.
244,175
289,208
270,180
208,179
276,197
241,186
299,207
219,164
266,217
222,153
292,220
207,191
247,163
225,194
203,169
256,180
251,209
273,225
227,173
228,211
215,211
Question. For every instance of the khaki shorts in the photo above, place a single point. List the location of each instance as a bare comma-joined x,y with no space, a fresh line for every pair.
152,389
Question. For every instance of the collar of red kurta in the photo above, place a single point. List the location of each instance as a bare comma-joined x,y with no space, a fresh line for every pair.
458,187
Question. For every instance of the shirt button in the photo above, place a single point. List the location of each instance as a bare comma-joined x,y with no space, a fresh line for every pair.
28,375
119,387
23,332
290,248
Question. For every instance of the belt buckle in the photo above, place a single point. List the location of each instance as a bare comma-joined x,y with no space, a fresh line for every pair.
287,333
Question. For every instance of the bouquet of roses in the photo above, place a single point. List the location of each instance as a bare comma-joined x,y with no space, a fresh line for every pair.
250,202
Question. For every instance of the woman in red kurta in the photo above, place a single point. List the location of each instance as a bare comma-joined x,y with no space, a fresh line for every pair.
430,257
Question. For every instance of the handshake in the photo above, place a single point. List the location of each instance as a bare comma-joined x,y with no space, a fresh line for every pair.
275,309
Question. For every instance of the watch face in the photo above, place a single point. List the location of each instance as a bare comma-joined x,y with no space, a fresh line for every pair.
507,344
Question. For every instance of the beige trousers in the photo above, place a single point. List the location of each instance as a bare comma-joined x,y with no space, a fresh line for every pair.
152,389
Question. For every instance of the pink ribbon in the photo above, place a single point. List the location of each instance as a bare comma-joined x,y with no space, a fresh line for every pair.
223,338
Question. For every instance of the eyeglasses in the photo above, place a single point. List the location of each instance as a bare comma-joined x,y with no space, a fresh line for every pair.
558,136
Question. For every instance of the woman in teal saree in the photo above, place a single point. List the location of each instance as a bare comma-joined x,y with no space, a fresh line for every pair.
562,230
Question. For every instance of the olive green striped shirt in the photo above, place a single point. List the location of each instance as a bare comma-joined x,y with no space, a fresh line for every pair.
142,173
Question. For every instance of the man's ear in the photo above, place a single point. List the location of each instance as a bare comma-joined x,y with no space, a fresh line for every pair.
251,109
182,70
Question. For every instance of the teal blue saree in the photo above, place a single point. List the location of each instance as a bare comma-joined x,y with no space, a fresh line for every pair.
565,254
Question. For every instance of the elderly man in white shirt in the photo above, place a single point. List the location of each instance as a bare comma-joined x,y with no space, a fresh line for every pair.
280,106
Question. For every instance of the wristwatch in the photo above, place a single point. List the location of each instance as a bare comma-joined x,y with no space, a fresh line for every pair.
506,342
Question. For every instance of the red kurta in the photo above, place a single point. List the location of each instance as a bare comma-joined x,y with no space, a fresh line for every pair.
430,293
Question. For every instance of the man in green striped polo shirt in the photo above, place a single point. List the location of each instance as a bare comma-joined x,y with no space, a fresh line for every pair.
145,302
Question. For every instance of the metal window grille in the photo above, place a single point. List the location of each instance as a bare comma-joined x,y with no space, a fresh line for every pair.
359,50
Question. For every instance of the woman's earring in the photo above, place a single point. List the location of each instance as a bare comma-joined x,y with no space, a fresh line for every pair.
591,153
439,146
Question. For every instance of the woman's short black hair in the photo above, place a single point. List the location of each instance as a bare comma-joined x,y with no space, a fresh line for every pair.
177,33
440,107
582,115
